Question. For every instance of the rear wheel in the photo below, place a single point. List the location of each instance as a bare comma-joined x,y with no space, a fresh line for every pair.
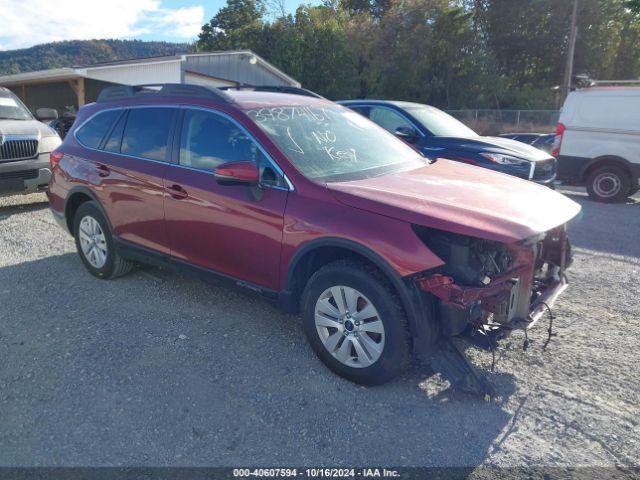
95,245
608,184
355,323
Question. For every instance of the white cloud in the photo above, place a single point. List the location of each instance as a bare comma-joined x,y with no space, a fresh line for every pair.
24,23
181,22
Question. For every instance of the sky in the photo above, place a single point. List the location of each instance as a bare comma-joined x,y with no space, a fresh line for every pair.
24,23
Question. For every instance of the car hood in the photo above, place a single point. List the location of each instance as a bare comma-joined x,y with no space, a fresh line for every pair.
505,146
462,199
26,127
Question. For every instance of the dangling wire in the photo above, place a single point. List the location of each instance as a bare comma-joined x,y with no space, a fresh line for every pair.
550,329
493,356
526,343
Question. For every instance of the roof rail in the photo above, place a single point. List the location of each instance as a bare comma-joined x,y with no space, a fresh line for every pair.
111,94
275,89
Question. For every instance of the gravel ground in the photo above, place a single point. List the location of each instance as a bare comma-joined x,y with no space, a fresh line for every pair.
157,369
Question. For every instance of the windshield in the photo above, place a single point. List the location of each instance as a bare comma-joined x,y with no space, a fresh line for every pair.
332,143
12,109
439,123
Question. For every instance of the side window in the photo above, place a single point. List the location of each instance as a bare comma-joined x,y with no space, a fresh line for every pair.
208,140
146,133
115,137
92,132
388,119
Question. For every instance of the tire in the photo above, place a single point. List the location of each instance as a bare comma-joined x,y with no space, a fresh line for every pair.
95,244
608,184
369,350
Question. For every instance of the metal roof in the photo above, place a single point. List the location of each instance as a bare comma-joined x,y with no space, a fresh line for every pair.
54,74
133,61
225,64
222,64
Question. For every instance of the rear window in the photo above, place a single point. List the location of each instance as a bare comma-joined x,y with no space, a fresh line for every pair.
146,133
93,131
112,144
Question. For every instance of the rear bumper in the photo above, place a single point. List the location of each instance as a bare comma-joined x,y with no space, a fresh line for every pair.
25,176
60,220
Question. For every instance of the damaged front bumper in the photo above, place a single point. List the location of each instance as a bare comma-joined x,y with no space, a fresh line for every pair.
514,299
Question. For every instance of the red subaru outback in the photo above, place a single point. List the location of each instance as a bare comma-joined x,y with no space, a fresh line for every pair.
384,253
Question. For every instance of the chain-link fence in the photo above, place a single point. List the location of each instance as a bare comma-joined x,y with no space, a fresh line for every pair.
493,122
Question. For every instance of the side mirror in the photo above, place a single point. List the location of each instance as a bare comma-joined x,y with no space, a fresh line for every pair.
237,173
44,114
408,134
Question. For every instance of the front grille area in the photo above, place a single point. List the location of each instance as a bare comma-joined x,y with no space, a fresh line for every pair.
544,169
18,149
22,175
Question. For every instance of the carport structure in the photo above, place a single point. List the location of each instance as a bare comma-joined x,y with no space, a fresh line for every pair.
75,86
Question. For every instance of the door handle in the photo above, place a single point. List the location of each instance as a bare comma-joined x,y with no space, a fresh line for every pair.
177,192
103,170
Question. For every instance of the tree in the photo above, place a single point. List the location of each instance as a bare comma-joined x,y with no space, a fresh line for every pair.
233,27
318,47
375,8
448,53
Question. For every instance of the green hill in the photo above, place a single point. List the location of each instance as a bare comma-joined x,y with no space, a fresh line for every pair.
82,52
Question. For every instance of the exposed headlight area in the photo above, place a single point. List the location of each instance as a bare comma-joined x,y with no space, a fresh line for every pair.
470,261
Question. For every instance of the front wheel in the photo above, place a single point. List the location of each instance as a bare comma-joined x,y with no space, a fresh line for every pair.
355,323
608,184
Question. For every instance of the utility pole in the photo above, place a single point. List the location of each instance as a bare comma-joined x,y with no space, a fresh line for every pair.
568,71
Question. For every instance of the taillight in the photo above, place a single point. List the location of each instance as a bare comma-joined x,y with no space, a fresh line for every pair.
560,128
54,158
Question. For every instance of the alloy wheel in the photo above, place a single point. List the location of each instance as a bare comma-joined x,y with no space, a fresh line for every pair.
93,242
349,326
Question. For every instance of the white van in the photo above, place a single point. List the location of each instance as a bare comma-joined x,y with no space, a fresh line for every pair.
598,141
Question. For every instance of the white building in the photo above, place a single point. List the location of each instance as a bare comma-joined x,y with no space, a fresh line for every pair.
75,86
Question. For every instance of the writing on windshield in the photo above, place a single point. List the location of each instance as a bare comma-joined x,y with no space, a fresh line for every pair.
331,142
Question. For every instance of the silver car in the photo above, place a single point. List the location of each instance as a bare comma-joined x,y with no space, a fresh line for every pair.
25,144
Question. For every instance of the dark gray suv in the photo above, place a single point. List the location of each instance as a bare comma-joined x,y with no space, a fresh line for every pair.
25,144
